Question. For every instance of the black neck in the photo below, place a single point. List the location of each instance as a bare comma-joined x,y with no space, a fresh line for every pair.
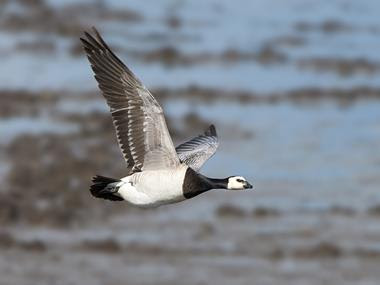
216,183
196,183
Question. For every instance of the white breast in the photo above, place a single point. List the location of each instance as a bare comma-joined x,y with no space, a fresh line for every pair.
154,188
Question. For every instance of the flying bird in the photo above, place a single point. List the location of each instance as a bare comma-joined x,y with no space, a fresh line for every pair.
157,172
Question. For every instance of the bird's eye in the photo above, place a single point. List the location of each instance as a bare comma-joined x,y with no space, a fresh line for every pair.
239,180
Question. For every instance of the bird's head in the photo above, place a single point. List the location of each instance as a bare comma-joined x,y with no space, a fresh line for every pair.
238,183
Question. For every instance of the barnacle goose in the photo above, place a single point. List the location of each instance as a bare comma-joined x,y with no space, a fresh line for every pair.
157,173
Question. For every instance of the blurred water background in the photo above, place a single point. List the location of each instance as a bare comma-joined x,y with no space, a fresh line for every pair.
293,88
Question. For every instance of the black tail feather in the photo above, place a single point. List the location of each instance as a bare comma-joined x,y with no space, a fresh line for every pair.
99,188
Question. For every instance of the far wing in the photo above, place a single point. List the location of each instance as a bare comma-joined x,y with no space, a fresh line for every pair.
198,150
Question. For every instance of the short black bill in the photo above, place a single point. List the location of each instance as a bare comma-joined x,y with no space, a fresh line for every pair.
248,186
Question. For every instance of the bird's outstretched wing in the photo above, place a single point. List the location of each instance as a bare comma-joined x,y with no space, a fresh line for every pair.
198,150
138,118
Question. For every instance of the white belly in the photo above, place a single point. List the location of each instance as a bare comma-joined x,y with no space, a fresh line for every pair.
154,187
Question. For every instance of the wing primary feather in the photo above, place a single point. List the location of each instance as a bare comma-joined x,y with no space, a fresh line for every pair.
198,150
138,119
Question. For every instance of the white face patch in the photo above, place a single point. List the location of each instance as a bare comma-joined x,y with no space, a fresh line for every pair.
236,183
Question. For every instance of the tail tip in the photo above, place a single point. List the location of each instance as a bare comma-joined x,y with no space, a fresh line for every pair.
98,188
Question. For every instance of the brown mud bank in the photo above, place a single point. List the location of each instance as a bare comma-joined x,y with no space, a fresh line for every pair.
31,104
343,67
40,17
172,56
301,95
